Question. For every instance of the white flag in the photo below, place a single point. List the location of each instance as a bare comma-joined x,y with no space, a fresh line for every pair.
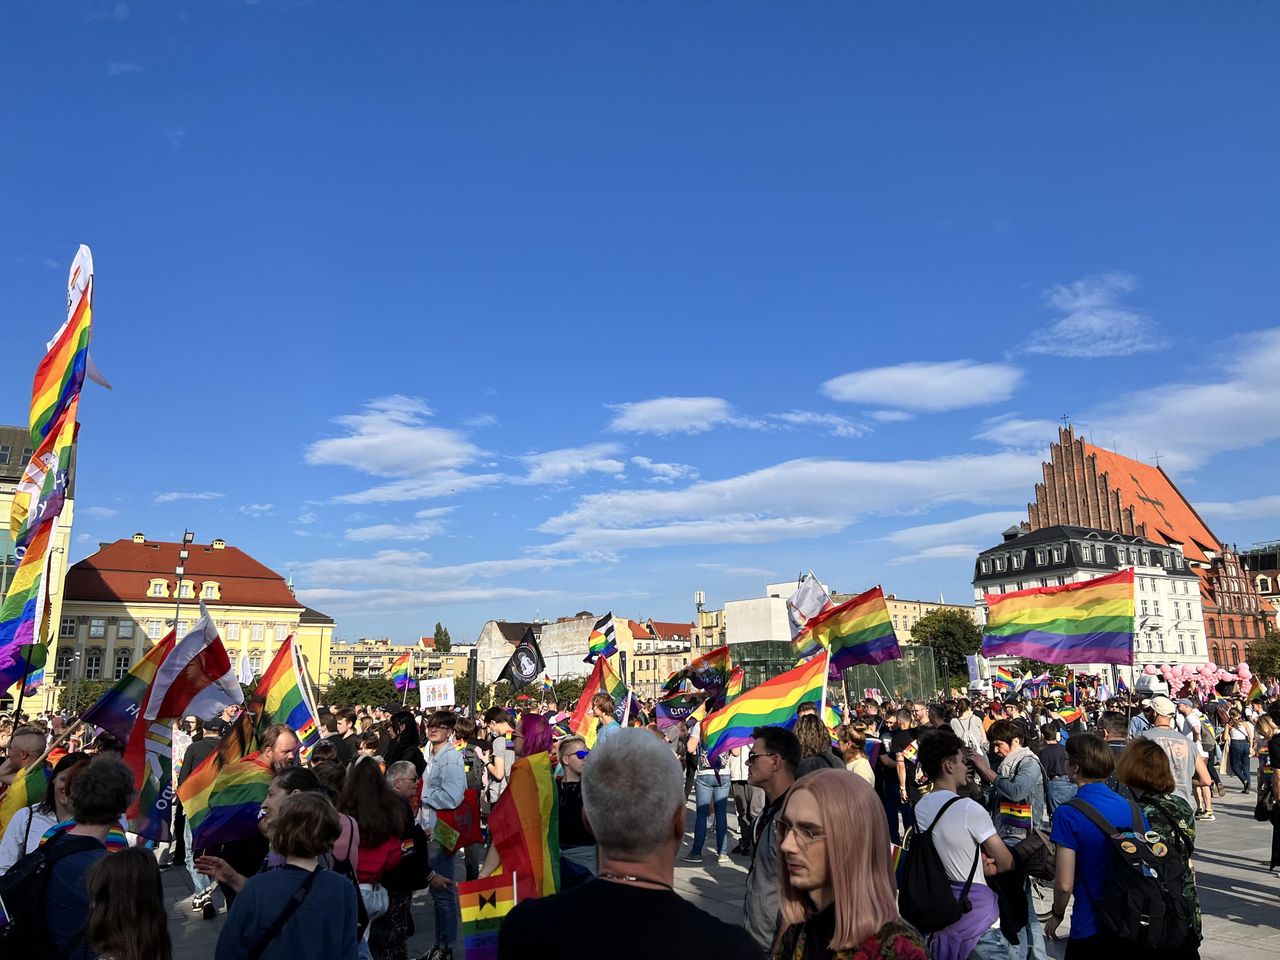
196,678
809,600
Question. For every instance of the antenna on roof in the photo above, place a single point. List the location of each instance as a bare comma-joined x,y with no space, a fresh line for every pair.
1156,457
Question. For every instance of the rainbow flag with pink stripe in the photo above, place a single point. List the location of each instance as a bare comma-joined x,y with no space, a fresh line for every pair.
1086,622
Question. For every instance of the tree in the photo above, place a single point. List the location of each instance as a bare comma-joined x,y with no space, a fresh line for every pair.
953,635
351,691
1264,656
443,642
81,695
1038,667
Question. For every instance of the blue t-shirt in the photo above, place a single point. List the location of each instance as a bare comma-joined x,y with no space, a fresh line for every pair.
67,901
1073,830
324,925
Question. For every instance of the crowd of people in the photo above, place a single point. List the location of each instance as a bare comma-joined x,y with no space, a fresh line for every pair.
946,829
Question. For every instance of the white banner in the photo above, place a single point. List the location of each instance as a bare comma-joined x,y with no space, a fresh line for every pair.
435,693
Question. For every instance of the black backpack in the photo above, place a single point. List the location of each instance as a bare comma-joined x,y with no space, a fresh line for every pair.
1142,899
23,889
925,899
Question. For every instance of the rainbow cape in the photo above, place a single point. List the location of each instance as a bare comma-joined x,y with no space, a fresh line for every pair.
525,824
1255,690
400,672
857,631
1088,622
603,641
235,799
603,679
771,704
197,784
285,698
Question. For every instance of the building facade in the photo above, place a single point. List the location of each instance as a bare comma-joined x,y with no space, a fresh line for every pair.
15,454
1094,487
661,648
1263,565
374,658
1168,620
120,600
907,613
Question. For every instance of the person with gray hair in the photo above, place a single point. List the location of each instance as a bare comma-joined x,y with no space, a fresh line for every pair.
633,801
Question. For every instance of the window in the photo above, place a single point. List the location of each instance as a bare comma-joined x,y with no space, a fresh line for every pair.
1087,552
1155,607
67,627
1018,559
985,566
125,629
5,450
97,628
255,632
209,591
1145,558
255,663
895,621
999,562
1264,584
1056,553
1182,647
1235,654
1144,608
62,669
184,627
1177,610
123,658
1217,653
1212,627
158,589
93,665
1168,560
1231,629
282,631
184,589
1101,553
1040,557
233,632
154,627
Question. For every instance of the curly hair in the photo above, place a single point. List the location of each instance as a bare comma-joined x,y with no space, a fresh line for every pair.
813,735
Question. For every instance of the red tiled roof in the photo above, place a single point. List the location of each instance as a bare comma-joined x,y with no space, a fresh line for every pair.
1157,503
638,630
122,571
666,630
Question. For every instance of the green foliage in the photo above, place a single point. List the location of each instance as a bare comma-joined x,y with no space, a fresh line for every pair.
443,642
953,635
1263,656
353,691
1037,667
82,694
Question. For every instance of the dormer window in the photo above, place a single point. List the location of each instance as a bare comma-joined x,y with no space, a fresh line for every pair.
185,590
1017,560
1086,551
158,588
1057,554
211,590
1040,557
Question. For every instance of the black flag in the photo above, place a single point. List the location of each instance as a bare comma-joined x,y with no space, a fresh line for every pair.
526,663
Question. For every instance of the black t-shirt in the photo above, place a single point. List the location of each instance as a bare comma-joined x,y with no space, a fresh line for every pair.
900,740
1273,751
573,832
195,755
568,924
1053,757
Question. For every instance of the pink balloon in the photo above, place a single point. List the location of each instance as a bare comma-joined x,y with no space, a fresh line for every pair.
1150,670
1211,665
1244,672
1225,677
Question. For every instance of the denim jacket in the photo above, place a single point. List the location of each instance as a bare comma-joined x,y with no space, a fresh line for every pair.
1019,785
443,785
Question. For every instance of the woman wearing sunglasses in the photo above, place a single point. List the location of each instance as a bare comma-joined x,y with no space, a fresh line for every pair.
577,844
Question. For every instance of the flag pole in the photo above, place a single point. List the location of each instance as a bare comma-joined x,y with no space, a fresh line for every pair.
826,676
22,684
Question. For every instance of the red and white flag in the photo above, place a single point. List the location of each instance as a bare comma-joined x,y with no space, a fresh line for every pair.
197,678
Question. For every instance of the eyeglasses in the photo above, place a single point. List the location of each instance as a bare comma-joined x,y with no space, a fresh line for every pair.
581,754
805,836
753,757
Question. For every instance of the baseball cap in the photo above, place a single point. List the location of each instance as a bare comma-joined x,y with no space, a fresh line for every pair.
1163,706
1184,702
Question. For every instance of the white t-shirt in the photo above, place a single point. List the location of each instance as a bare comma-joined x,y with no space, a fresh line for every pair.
965,827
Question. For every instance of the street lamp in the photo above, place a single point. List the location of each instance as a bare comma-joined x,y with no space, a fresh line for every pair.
180,570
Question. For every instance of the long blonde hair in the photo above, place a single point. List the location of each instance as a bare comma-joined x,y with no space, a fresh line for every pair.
857,839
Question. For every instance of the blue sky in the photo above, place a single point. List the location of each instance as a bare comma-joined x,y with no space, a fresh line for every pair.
458,311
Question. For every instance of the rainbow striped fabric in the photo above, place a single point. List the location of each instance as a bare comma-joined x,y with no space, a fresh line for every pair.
285,698
603,641
41,492
400,672
1002,677
1069,715
234,802
857,631
1014,816
195,789
60,374
29,786
737,680
26,598
603,679
1255,690
525,824
484,903
1088,622
771,704
118,708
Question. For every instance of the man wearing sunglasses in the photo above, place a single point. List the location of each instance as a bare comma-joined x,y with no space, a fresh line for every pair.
578,860
771,766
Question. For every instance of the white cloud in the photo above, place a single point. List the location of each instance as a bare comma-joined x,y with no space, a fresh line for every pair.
481,420
927,387
949,552
665,472
890,416
1258,508
1020,434
836,425
100,513
798,498
305,519
1093,324
391,438
557,466
257,509
426,524
665,415
83,538
737,571
120,68
172,495
984,527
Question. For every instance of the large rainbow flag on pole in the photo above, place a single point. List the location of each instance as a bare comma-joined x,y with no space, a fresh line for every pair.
857,631
283,691
603,679
1088,622
771,704
400,672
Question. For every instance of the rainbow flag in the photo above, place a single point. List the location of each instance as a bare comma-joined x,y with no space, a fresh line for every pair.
195,789
29,786
117,709
1015,816
1255,690
737,680
1003,677
1088,622
710,671
284,696
60,374
857,631
771,704
1058,688
400,672
41,491
525,824
672,710
484,904
1069,715
235,799
603,641
603,679
23,605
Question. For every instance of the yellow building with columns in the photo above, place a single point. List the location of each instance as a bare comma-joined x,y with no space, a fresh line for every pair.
118,602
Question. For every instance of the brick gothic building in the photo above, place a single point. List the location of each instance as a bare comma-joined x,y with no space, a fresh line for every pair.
1088,486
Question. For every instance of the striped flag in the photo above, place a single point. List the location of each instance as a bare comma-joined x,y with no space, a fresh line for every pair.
603,641
771,704
1087,622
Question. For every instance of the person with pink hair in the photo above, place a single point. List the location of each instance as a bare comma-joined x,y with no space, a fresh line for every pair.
837,893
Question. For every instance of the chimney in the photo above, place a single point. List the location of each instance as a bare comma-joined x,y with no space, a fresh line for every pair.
219,544
139,538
